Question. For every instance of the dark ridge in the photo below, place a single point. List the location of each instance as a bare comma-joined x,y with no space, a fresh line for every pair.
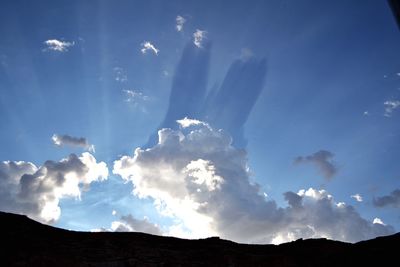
25,242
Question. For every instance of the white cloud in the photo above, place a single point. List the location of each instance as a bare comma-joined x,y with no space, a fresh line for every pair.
37,191
67,140
198,37
149,46
378,221
120,75
114,212
196,177
366,113
180,21
186,122
357,197
390,106
57,45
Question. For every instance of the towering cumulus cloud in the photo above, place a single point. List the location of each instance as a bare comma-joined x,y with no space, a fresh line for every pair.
36,191
197,177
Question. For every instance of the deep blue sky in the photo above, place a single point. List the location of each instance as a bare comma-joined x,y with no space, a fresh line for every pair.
306,76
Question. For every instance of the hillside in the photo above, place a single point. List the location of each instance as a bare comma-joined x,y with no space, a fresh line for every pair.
25,242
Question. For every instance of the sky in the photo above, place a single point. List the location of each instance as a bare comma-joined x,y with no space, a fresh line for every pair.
256,121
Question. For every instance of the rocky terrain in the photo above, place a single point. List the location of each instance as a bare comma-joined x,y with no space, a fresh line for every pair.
25,242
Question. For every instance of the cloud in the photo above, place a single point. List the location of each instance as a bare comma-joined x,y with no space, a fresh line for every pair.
195,176
120,75
198,37
357,197
146,46
180,21
37,191
378,221
57,45
391,106
130,224
186,122
389,200
67,140
323,160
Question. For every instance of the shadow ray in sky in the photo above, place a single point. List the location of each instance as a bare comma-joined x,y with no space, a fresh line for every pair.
227,107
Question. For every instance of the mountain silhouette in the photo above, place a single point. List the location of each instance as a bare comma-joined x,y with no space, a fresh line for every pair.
25,242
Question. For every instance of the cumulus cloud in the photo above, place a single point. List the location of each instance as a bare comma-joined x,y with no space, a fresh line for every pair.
323,160
130,224
146,46
57,45
120,75
180,21
357,197
198,37
37,191
389,200
391,106
196,177
67,140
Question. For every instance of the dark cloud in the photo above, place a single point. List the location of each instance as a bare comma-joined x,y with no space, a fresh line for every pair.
323,160
36,191
390,200
67,140
128,223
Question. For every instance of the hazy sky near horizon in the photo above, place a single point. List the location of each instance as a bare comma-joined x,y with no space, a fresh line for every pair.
258,121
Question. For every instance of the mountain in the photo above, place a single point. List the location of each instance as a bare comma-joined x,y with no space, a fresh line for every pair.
25,242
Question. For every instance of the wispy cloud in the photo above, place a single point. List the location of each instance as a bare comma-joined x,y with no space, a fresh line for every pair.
357,197
390,106
67,140
120,75
146,46
323,160
198,37
57,45
180,21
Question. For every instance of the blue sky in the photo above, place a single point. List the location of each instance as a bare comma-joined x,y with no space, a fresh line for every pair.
308,91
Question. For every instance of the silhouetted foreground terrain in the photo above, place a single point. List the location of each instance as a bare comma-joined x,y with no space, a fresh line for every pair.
25,242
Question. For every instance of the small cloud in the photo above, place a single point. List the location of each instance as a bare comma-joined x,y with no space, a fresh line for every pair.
198,36
57,45
114,212
323,160
149,46
389,200
165,73
186,122
398,74
390,106
378,221
179,23
357,197
120,75
366,113
67,140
